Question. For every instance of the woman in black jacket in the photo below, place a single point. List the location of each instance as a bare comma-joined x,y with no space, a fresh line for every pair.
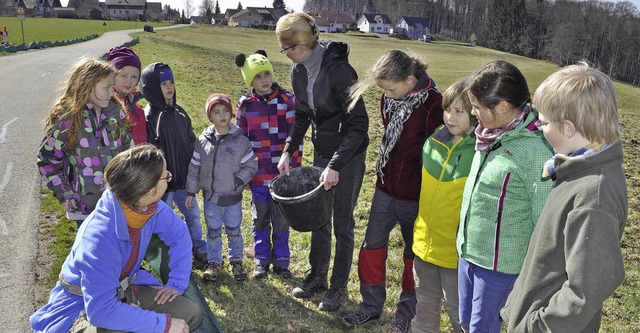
321,77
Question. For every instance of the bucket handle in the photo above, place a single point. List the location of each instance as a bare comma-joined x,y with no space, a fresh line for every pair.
300,197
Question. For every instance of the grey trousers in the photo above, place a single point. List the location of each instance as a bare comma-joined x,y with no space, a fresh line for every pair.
343,199
386,213
433,284
180,307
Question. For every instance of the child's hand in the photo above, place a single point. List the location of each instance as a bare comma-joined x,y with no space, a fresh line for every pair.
71,205
283,164
187,201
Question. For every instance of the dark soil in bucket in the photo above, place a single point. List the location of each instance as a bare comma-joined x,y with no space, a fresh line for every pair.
300,181
303,201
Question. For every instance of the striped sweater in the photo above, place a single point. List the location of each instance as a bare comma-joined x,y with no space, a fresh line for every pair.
266,121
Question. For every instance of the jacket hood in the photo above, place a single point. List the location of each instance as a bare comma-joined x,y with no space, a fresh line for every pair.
336,49
425,82
210,131
150,85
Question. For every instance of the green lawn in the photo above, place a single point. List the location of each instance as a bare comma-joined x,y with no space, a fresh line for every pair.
40,29
202,61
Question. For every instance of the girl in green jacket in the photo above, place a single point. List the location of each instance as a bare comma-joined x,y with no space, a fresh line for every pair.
503,196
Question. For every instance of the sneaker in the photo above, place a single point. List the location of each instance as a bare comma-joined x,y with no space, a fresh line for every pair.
239,274
211,271
283,272
401,326
311,285
359,319
333,299
199,260
261,271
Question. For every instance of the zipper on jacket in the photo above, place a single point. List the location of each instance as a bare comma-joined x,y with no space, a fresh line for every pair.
455,166
475,183
216,144
157,133
496,245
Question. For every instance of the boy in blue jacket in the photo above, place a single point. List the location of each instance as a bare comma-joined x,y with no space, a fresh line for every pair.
169,128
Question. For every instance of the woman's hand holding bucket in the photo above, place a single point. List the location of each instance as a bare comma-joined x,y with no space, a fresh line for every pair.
330,178
283,164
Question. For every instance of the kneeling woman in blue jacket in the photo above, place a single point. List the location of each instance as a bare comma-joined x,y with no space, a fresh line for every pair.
101,284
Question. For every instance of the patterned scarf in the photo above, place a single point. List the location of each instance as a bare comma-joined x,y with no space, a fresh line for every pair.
485,137
397,111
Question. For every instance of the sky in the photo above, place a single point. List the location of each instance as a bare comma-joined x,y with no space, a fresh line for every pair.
296,5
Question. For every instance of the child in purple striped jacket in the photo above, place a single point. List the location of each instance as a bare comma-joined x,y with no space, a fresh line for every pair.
265,116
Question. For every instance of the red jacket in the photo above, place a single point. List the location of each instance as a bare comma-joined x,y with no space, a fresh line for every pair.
402,173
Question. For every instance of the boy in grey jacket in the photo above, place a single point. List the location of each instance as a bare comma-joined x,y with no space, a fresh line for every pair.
574,260
222,164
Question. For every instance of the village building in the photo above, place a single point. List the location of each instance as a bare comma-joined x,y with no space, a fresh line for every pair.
413,27
374,23
328,21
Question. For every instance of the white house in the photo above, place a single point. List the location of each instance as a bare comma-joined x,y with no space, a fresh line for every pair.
374,23
126,9
413,27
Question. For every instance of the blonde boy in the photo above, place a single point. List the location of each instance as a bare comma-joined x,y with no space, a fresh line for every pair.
574,260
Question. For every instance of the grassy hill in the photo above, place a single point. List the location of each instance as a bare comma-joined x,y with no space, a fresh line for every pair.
202,61
40,29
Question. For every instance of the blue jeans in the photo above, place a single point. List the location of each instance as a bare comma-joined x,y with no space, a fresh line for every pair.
231,217
482,293
191,217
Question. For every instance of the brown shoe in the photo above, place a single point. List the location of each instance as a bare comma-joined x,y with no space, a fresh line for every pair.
239,273
211,271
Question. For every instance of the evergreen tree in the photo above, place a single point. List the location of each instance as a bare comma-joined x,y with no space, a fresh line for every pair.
183,19
217,7
239,5
279,4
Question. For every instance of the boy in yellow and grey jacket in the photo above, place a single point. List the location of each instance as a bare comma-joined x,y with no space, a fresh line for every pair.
446,161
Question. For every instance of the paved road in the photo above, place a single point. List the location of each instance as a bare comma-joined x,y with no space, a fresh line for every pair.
29,83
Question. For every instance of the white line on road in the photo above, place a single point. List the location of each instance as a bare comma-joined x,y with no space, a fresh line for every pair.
3,130
5,180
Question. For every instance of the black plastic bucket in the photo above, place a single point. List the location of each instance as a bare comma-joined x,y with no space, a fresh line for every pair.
302,197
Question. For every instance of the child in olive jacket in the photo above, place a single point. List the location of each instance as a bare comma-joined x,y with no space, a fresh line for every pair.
574,260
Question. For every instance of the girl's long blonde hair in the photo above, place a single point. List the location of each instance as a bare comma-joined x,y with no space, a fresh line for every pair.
393,65
76,93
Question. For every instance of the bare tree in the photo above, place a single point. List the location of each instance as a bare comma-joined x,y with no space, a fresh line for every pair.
206,10
188,8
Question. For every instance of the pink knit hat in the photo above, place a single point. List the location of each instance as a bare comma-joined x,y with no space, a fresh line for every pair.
123,56
218,98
